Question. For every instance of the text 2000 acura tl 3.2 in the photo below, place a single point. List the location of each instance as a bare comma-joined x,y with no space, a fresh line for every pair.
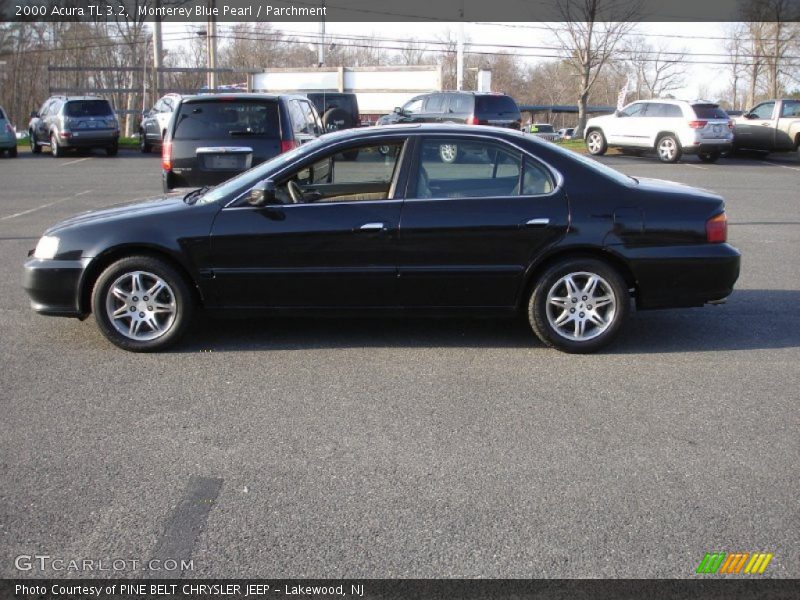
515,224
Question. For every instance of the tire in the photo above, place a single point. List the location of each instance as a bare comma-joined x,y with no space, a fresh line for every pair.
350,155
551,308
112,150
336,119
35,147
596,143
144,146
12,152
710,157
668,149
449,153
152,326
55,149
167,183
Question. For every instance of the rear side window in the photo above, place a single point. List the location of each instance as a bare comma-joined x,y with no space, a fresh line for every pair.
435,103
709,111
88,108
227,120
657,109
543,129
791,108
496,105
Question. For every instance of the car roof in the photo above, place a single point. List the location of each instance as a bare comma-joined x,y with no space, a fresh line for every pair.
427,128
239,96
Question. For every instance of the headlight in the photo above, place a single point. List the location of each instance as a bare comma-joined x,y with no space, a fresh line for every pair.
47,247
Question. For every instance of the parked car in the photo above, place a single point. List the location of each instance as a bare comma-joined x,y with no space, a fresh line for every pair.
154,123
338,110
8,135
566,133
68,122
517,226
213,137
544,131
469,108
670,127
772,126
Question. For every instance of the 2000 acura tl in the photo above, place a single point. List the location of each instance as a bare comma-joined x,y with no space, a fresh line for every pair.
514,224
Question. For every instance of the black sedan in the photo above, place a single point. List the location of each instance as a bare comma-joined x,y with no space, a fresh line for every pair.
513,225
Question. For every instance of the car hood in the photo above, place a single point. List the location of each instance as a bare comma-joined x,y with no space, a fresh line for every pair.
137,208
647,184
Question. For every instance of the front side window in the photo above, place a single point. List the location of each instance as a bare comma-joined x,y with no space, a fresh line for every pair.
367,175
764,111
455,168
309,118
460,103
414,106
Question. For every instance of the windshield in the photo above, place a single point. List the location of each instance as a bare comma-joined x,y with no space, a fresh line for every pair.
248,179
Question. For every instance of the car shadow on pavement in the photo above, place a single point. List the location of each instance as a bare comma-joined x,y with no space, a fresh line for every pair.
750,320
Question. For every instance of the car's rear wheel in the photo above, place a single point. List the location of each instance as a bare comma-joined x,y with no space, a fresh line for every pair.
596,143
142,304
709,157
448,153
112,150
35,147
12,152
668,149
578,305
55,149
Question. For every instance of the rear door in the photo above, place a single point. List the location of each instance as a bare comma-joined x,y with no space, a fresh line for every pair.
790,113
470,228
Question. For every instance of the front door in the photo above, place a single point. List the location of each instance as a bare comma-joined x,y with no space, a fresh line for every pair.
330,240
758,131
471,227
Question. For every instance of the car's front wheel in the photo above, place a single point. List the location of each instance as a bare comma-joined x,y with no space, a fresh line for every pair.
144,146
578,305
596,143
668,149
142,304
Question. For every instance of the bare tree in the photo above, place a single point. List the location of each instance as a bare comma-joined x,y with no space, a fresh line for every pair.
589,36
658,71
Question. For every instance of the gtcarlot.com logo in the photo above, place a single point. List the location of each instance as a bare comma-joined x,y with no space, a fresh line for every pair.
734,563
45,562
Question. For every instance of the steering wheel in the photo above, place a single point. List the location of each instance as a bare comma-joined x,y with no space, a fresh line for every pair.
295,192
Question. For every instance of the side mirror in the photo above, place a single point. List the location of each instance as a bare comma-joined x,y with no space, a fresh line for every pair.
398,110
618,113
263,193
749,115
146,113
34,114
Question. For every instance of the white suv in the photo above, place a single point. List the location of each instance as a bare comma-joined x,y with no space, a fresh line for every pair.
670,127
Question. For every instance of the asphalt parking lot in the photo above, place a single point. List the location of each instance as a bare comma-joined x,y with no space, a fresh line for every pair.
405,448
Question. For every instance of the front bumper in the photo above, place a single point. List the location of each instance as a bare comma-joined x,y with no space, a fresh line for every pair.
683,276
54,286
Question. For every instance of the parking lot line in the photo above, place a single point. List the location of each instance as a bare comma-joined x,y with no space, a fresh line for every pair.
72,162
786,167
49,204
696,166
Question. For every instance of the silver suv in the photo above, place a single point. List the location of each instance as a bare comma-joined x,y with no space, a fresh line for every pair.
65,122
670,127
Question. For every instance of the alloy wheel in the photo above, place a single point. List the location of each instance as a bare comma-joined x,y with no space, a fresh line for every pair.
581,306
141,306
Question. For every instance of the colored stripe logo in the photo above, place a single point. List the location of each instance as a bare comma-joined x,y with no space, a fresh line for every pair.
734,563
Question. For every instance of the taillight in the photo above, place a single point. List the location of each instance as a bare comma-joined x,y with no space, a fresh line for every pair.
166,156
717,229
9,128
473,120
730,124
287,145
697,124
65,134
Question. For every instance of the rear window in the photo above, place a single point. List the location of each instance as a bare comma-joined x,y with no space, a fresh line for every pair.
227,120
496,105
543,128
709,111
88,108
324,102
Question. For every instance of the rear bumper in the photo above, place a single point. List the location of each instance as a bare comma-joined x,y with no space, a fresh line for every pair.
194,178
53,286
90,139
683,276
708,148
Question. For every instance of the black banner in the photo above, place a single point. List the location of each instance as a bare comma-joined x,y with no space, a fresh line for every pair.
403,589
392,10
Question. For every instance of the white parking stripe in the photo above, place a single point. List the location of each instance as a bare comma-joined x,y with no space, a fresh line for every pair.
53,203
72,162
696,166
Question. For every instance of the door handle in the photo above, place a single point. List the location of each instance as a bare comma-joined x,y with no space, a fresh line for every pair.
766,124
540,222
372,227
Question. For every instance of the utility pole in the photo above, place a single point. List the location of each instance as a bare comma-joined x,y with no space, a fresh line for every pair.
321,45
157,52
211,47
460,50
